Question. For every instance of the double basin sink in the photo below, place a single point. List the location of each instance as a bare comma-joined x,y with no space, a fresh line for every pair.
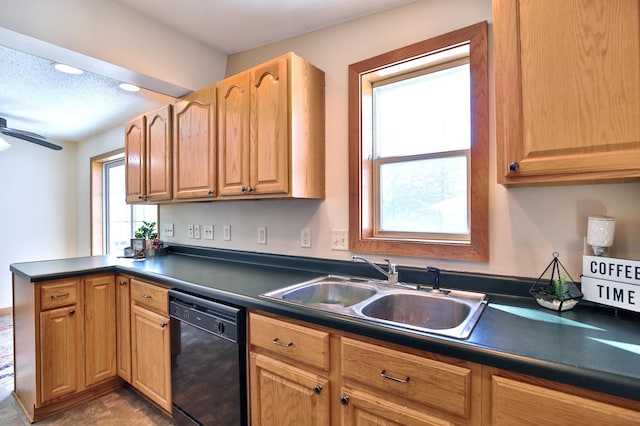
451,313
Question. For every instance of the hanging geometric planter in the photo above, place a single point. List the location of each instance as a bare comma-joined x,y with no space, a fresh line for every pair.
555,289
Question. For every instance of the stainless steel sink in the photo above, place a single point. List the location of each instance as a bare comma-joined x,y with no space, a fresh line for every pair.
328,292
451,313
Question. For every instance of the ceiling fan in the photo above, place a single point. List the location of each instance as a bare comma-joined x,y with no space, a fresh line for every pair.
27,136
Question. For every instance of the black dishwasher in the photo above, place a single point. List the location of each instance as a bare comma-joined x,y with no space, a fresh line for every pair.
208,361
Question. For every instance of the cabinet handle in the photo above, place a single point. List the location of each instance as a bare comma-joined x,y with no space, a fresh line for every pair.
277,341
145,296
395,379
163,324
59,296
513,166
210,192
123,282
72,311
317,389
250,189
344,400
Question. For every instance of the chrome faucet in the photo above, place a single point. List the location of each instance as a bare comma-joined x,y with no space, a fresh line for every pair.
392,269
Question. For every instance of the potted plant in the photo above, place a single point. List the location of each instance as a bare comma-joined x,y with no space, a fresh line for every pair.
558,293
148,233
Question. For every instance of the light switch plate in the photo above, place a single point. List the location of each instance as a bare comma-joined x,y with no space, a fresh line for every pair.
262,235
226,232
305,238
167,230
196,232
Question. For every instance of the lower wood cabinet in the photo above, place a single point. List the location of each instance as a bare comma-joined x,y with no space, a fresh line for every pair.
288,370
364,381
522,400
150,342
64,342
123,327
304,374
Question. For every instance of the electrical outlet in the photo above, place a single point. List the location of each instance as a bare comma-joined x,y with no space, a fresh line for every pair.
167,230
190,232
196,232
339,239
208,232
226,232
262,235
305,238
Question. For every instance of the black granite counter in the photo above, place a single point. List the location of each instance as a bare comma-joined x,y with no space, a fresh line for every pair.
586,347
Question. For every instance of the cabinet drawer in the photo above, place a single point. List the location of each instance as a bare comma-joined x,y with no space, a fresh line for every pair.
298,343
58,293
437,384
152,296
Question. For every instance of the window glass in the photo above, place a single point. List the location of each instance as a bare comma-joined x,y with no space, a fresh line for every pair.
424,196
121,219
424,114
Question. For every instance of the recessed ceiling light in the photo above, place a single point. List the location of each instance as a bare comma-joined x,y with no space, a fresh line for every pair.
129,87
68,69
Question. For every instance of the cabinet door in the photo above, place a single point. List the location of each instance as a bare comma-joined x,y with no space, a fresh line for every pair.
514,402
151,356
158,158
234,95
100,329
285,395
194,145
269,127
135,137
567,90
123,327
60,338
364,409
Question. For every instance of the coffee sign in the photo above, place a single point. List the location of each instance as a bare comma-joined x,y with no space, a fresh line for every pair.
610,281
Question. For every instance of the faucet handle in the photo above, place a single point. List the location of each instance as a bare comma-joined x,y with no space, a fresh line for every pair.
436,276
391,267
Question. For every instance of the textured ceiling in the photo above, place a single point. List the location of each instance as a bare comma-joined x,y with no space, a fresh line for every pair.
36,98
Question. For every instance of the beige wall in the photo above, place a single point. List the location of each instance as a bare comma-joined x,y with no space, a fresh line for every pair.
526,225
50,198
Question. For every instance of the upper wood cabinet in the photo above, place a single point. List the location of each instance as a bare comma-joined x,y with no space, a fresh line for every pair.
567,91
148,157
271,131
194,146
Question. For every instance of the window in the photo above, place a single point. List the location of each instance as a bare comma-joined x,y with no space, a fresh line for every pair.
113,221
418,149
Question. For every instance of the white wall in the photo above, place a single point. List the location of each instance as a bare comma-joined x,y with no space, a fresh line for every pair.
526,225
38,206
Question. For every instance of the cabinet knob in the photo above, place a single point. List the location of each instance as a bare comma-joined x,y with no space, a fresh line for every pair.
243,189
140,197
145,296
513,166
72,311
123,282
163,324
344,400
250,189
210,192
317,389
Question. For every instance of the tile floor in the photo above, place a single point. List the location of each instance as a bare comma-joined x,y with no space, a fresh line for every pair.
122,407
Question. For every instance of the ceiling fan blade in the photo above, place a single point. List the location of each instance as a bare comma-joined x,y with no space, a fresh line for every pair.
29,137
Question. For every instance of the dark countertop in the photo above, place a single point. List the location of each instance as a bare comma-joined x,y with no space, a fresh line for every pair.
586,347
